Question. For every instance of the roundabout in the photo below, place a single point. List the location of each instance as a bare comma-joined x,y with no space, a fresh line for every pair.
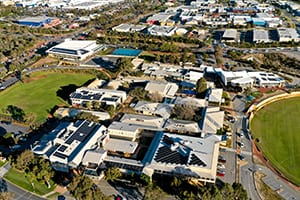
275,126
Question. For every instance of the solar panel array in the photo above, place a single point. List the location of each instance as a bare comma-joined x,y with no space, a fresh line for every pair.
196,161
166,155
82,132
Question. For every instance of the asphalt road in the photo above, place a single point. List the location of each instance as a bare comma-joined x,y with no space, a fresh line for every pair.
20,194
286,191
244,176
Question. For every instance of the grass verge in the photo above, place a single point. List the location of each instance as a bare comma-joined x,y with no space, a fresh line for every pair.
20,180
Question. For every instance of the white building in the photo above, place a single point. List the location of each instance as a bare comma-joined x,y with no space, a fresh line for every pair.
109,97
128,28
124,130
150,108
75,50
186,156
260,36
248,79
165,89
161,30
288,35
212,121
230,35
69,143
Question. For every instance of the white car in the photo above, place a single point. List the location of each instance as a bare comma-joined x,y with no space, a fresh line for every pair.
242,145
221,166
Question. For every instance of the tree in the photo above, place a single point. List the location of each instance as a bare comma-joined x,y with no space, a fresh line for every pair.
6,196
239,192
227,192
139,93
88,116
184,112
153,192
145,179
110,109
82,188
42,170
112,174
124,65
201,86
16,112
24,160
176,182
156,97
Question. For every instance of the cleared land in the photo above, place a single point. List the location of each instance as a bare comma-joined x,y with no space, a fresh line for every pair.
37,95
277,126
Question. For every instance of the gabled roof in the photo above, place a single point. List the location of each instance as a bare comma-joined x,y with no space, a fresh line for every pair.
182,126
160,109
165,88
215,95
213,120
93,156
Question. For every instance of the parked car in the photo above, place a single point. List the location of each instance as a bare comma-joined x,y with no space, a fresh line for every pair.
222,149
221,159
241,156
220,174
221,166
242,144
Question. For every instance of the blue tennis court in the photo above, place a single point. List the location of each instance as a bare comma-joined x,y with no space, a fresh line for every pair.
126,52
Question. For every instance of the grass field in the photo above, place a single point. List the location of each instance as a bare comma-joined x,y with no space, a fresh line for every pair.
38,94
21,180
277,126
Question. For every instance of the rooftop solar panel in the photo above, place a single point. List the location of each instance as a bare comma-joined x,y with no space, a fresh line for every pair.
166,155
62,148
60,155
196,161
167,140
82,132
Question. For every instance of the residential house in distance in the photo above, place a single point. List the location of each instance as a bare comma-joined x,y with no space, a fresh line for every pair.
165,89
75,50
109,97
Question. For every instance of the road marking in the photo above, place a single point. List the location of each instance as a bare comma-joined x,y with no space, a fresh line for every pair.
249,153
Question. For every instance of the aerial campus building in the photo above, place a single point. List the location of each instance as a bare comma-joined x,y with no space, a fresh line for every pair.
75,50
89,145
247,79
260,36
84,95
230,35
